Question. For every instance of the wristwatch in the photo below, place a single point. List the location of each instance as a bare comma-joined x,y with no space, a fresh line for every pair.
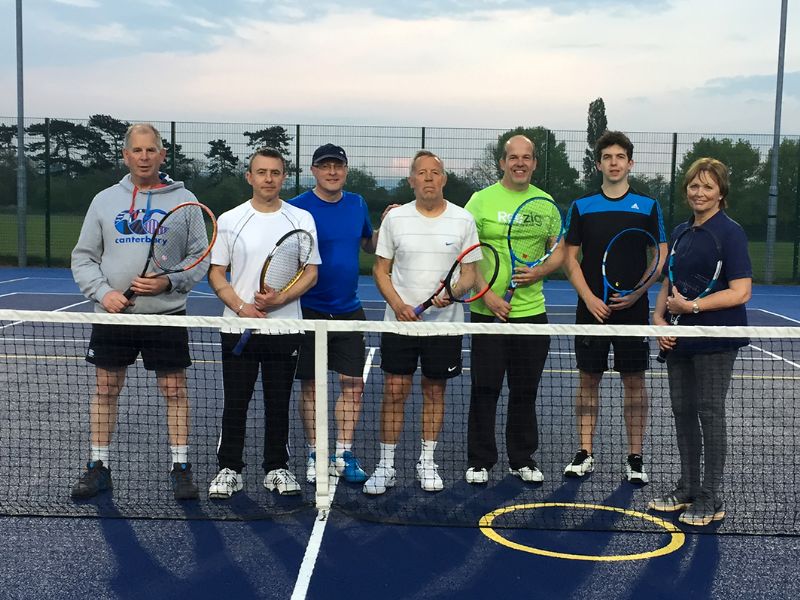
695,307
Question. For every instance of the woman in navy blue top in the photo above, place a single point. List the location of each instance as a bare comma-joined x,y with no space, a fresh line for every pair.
700,369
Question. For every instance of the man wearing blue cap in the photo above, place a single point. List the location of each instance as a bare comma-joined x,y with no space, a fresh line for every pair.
343,227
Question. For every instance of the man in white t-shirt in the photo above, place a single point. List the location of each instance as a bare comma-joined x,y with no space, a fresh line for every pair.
418,244
246,236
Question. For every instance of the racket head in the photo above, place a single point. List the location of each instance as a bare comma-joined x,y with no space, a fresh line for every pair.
487,261
695,262
287,261
534,223
619,275
183,238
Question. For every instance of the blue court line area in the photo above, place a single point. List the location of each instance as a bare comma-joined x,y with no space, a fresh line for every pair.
276,558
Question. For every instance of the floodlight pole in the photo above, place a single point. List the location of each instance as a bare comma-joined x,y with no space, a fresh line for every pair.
772,207
22,176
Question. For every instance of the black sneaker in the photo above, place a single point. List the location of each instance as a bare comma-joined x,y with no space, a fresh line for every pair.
582,464
634,471
96,479
182,484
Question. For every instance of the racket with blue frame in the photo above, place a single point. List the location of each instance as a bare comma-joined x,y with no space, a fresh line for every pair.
695,263
618,276
534,232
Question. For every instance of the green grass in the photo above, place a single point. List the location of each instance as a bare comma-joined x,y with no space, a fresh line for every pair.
65,230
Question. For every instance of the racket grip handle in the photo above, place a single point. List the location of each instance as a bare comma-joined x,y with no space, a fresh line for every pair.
662,356
509,294
129,293
239,347
421,308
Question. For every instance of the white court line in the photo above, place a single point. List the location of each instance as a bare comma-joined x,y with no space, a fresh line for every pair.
14,280
63,308
315,541
9,294
776,356
779,315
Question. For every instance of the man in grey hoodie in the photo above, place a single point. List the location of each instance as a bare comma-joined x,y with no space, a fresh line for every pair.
112,248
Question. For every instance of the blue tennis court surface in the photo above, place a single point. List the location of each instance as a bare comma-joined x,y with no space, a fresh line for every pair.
349,558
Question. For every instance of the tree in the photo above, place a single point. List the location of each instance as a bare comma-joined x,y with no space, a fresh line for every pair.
74,148
8,145
597,124
788,172
273,137
553,172
113,132
221,160
184,168
747,198
458,189
361,181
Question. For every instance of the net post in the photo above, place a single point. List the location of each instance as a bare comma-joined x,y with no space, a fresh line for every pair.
323,499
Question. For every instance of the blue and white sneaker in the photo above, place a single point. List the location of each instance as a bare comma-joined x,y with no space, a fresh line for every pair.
346,466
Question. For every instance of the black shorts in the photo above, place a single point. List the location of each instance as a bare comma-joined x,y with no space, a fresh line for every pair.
440,355
162,348
345,348
631,354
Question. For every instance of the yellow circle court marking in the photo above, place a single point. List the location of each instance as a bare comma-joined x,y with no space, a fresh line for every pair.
677,537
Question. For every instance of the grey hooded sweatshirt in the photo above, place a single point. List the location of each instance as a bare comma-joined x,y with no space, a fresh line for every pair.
115,241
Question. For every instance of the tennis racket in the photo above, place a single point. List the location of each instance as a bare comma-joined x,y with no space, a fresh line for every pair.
618,276
689,272
282,269
180,241
535,222
487,262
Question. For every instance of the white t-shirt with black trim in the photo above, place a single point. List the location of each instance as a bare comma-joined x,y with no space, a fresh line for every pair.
422,250
244,240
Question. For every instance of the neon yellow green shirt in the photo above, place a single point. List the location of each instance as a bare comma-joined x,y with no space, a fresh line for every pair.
492,208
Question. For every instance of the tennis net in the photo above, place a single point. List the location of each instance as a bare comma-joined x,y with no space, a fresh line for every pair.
44,432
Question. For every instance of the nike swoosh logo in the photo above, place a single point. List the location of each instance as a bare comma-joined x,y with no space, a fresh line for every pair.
451,369
449,243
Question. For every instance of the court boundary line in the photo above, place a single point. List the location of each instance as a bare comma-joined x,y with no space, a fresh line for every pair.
314,545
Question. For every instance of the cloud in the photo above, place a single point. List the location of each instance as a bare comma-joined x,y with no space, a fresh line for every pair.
79,3
201,22
753,84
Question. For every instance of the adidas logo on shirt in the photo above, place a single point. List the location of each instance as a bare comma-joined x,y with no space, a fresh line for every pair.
634,205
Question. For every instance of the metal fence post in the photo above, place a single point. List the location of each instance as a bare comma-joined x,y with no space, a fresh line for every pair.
297,160
423,138
47,195
671,212
172,150
796,259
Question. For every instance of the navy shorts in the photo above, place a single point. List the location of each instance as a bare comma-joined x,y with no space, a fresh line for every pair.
345,348
440,355
631,354
162,348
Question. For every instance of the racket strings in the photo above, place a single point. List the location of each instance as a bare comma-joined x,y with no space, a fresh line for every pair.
288,260
181,237
529,233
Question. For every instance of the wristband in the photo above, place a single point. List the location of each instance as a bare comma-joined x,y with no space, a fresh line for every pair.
238,310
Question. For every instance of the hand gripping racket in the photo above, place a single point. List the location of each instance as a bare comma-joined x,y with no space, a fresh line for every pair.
180,241
690,270
535,222
463,289
282,269
618,276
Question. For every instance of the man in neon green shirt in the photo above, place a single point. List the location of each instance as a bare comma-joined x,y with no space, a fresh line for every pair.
493,356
